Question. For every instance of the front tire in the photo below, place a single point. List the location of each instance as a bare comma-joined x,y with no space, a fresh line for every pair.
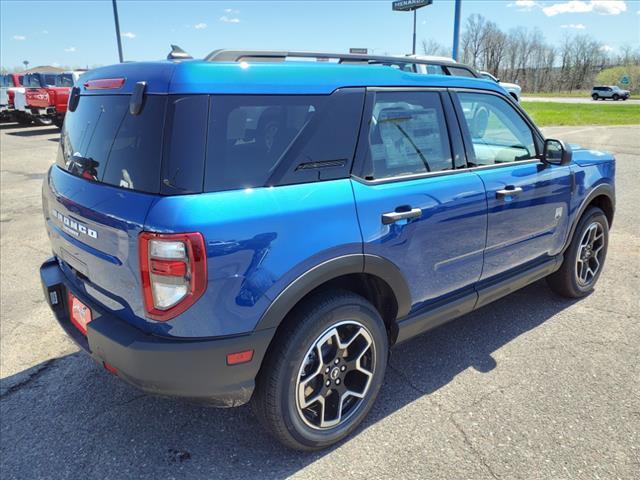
616,97
584,259
595,96
324,371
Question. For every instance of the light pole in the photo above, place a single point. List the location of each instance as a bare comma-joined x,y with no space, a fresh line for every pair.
117,21
408,6
26,64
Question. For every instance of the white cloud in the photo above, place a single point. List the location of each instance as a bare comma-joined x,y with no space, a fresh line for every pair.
45,31
576,26
200,26
227,19
19,37
524,5
602,7
606,48
231,11
129,35
70,49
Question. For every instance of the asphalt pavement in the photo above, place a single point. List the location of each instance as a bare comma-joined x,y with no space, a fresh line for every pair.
532,386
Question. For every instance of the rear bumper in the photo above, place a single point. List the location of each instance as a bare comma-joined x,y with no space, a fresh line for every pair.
193,369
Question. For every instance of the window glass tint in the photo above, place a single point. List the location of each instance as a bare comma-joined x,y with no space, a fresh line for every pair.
4,81
498,133
102,141
64,80
407,135
435,70
185,142
460,72
50,79
248,135
31,81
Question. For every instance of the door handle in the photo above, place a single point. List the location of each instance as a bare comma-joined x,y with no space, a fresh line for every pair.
392,217
508,191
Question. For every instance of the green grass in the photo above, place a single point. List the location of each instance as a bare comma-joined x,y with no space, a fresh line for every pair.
549,113
573,94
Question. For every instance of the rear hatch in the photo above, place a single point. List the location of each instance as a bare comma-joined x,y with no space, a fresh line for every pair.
96,197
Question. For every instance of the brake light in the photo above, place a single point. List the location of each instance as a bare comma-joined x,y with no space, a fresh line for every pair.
104,84
174,272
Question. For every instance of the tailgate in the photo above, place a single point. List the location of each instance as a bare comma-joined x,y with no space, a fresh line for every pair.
97,196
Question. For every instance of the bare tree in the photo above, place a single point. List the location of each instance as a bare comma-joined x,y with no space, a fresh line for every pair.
433,47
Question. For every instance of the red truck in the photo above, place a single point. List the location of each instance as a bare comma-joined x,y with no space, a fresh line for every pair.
45,98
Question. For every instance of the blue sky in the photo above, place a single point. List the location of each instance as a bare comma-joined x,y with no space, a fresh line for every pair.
80,33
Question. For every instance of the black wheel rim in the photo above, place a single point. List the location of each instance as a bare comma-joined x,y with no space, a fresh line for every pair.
590,251
335,375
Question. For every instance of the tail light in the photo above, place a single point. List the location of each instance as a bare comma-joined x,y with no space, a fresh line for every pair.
174,272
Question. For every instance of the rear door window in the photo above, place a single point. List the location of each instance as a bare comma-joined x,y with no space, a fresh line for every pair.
101,141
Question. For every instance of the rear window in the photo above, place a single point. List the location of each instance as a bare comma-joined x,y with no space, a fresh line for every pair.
182,144
101,141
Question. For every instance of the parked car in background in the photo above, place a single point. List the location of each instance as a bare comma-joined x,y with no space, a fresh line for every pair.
611,91
231,231
514,89
45,98
9,85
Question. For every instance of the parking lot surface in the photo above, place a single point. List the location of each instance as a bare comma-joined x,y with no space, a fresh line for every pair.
532,386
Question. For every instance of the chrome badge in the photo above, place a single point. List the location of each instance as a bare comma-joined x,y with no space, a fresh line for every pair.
72,227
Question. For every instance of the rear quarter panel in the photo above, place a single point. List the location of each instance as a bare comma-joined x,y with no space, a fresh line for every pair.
258,241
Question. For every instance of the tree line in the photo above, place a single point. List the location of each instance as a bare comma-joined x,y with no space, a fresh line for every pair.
524,56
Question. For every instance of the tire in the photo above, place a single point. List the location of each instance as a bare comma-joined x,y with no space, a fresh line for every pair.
616,97
58,122
573,279
293,359
23,119
43,121
595,96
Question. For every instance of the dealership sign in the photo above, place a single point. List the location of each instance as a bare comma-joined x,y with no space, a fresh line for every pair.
406,5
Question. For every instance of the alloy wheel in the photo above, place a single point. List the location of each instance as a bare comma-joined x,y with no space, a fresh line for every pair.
335,375
589,258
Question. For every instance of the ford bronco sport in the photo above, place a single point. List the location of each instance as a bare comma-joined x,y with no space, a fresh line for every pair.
265,231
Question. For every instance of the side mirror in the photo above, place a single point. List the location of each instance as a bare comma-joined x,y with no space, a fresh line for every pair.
556,152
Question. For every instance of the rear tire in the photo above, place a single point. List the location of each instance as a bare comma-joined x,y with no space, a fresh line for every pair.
332,344
595,96
616,97
584,259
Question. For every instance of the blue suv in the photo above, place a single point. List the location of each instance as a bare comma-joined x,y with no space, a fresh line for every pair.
265,231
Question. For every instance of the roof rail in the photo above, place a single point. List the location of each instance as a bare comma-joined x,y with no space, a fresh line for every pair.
224,55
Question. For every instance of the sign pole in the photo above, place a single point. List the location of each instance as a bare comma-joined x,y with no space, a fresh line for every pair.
410,6
414,31
456,30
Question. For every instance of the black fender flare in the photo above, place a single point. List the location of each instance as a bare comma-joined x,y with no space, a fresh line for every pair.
602,189
334,268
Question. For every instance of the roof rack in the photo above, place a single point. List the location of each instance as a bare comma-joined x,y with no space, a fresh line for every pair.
224,55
